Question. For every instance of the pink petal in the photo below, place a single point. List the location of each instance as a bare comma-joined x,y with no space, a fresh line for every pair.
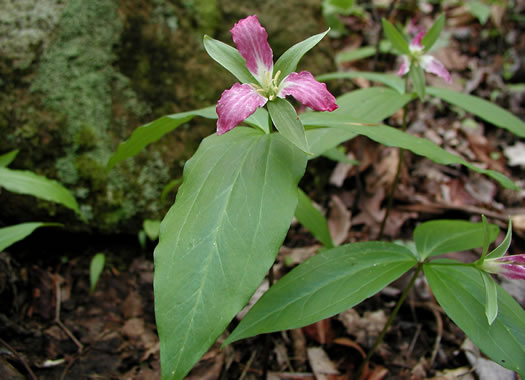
303,87
251,40
512,259
516,272
432,65
405,66
235,105
416,42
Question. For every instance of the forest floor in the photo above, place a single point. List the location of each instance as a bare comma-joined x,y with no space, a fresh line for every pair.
52,327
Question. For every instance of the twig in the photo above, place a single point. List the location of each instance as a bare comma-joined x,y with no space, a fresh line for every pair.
389,321
20,359
248,365
57,315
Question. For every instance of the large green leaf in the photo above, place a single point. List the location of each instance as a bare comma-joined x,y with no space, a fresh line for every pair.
395,37
460,291
482,108
219,239
313,220
326,284
442,236
26,182
229,58
372,105
321,140
12,234
433,33
7,158
151,132
291,57
393,81
287,123
393,137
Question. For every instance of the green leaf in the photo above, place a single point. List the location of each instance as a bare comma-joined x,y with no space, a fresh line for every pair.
503,247
12,234
321,140
338,155
395,37
355,54
7,158
291,57
393,137
151,132
393,81
460,291
151,228
442,236
433,33
313,220
26,182
260,120
219,239
372,105
229,58
491,297
418,80
482,108
479,10
95,269
169,186
326,284
287,123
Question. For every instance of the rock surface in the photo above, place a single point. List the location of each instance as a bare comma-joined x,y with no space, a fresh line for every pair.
78,76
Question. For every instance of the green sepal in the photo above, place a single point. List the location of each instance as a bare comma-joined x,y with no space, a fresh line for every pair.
395,37
287,123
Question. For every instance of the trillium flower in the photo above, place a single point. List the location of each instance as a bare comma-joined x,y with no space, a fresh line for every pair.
511,266
242,100
427,62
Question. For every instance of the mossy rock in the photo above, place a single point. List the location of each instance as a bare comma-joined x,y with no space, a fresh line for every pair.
93,71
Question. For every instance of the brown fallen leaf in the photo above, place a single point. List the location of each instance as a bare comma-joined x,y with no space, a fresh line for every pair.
339,220
321,364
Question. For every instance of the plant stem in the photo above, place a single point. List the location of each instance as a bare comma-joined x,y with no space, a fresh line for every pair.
398,172
390,320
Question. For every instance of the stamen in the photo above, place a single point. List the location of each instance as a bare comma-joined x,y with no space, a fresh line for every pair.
276,77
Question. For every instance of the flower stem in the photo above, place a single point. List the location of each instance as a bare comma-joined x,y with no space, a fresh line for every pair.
390,320
396,178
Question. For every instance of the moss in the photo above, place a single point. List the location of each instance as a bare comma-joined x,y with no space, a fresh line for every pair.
91,171
206,14
25,26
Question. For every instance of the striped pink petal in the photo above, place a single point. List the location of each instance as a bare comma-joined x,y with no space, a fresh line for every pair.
251,40
433,66
405,66
235,105
416,41
303,87
515,272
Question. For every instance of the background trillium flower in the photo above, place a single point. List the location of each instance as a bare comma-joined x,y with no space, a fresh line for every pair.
427,62
511,266
241,100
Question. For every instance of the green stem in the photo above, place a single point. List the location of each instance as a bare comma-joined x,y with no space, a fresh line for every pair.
390,320
270,122
396,178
